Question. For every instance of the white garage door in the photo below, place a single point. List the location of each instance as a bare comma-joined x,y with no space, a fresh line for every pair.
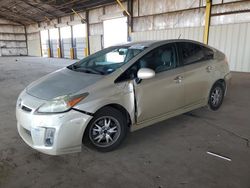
115,31
45,42
54,42
66,41
79,34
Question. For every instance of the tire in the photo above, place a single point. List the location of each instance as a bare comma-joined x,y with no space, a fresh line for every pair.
106,130
216,96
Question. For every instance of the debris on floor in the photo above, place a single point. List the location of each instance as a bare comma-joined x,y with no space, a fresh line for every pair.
219,156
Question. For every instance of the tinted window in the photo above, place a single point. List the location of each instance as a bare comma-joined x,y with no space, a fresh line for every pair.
160,59
192,53
208,53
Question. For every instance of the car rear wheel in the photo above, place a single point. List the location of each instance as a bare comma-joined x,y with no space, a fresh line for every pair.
107,129
216,96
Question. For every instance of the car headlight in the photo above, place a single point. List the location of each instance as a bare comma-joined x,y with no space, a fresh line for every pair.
61,104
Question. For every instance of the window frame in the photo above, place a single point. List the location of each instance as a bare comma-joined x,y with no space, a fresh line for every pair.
178,64
203,48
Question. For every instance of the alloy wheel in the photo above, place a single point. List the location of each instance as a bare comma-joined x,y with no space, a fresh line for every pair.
216,96
104,131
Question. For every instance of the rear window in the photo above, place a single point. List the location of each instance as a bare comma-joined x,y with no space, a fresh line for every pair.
193,53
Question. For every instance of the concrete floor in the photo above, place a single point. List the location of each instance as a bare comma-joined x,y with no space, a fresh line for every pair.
170,154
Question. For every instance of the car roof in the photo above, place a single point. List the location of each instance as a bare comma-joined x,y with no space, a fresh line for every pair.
155,42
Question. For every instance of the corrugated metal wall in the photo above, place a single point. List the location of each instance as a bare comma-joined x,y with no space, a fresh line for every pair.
193,33
234,41
12,39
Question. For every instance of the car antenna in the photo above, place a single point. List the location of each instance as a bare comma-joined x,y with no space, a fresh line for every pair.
179,36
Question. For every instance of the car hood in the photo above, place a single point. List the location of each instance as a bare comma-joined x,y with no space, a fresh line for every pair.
60,83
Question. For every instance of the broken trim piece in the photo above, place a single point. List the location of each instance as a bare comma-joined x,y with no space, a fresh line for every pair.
84,112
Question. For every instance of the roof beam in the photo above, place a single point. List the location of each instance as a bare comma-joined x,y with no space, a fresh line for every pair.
18,14
38,8
10,19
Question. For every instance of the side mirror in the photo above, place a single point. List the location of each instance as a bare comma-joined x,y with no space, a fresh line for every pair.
145,73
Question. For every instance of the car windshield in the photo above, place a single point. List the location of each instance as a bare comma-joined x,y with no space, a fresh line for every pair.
107,61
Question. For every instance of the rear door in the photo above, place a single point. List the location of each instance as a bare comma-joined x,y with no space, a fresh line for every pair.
197,62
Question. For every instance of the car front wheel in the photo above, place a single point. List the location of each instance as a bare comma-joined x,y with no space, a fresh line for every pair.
107,129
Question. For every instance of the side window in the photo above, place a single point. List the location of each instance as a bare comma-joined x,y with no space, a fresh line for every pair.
160,59
208,53
191,53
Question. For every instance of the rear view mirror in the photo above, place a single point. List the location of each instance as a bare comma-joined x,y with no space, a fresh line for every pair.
145,73
121,52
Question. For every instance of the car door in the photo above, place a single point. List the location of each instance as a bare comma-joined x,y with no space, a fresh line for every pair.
197,62
164,93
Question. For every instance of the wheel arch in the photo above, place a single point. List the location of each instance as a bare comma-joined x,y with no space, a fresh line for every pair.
119,108
222,82
115,106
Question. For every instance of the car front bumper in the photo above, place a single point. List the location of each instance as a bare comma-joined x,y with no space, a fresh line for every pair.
69,129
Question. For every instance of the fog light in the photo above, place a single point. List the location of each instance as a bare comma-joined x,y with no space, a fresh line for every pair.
49,137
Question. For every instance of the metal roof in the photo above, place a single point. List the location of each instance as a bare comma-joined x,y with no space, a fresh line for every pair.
33,11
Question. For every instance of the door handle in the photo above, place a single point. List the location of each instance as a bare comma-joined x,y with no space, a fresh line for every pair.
178,79
209,68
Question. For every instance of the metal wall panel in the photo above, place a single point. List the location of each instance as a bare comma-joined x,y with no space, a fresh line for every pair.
189,18
234,41
193,33
148,7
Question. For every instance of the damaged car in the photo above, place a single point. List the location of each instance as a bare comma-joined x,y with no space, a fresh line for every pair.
98,100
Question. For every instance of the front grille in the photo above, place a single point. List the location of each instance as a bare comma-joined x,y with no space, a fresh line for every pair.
26,109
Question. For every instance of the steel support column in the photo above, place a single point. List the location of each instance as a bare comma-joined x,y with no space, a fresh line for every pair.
72,56
87,34
130,19
59,49
49,44
26,39
207,21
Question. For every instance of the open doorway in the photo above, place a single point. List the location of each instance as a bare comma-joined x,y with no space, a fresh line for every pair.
45,42
66,41
115,31
54,41
80,40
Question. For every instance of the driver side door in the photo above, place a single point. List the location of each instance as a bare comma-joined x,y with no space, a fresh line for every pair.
163,94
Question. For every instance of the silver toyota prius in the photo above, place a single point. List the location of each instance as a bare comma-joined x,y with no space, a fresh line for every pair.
97,100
